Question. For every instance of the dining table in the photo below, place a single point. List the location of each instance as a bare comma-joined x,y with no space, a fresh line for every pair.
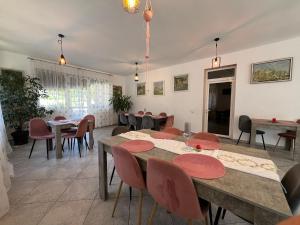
257,199
157,119
58,125
277,125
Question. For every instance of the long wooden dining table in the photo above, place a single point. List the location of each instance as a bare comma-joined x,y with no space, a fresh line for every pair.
58,126
254,198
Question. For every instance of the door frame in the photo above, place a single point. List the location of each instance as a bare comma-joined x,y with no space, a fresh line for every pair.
206,96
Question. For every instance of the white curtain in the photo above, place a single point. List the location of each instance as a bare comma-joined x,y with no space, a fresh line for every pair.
75,93
6,169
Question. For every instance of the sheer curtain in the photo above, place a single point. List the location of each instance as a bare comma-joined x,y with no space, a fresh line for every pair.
75,93
6,170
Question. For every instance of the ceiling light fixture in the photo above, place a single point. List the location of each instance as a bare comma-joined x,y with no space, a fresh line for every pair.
61,60
136,76
131,6
216,61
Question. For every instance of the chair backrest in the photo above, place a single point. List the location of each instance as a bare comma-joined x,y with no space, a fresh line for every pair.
291,184
91,118
172,189
132,120
38,127
148,113
119,130
173,130
245,123
206,136
82,128
170,121
141,112
57,118
128,168
298,121
147,122
123,118
163,114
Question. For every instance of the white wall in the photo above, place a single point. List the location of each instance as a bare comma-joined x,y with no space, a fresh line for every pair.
280,100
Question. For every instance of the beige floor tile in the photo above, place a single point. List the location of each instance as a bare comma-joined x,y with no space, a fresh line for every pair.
91,170
100,213
81,189
20,189
47,191
67,213
25,214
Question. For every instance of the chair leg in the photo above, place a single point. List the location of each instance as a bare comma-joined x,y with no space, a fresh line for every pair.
210,214
130,193
239,138
277,144
206,220
32,148
263,139
223,214
79,143
117,199
249,138
47,146
140,206
153,211
68,143
112,175
218,216
74,143
294,148
86,144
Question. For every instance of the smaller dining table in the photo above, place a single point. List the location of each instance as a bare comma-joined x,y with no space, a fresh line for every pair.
58,126
158,120
279,125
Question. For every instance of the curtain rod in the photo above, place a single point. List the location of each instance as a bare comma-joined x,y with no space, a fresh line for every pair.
75,67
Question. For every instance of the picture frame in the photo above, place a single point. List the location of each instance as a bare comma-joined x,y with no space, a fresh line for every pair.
141,89
271,71
181,82
159,88
117,90
11,72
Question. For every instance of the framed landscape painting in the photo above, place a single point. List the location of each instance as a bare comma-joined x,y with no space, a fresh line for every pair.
158,88
181,82
117,90
141,88
272,71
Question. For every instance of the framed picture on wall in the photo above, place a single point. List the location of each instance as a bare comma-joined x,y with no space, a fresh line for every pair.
10,72
117,90
272,71
158,88
141,89
181,82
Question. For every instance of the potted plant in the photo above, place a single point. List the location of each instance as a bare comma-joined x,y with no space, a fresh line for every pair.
120,103
20,102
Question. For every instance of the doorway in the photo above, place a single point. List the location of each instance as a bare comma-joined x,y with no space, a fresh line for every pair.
219,95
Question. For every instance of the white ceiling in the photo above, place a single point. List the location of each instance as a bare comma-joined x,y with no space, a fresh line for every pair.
100,35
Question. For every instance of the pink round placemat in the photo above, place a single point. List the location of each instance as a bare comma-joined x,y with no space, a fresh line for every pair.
200,166
136,146
202,144
163,135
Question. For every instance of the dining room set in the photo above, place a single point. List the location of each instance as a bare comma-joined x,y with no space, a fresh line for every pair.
61,128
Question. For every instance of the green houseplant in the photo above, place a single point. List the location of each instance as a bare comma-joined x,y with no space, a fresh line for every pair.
121,103
19,97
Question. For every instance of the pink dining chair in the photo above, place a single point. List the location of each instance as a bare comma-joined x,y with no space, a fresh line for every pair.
89,118
163,114
131,174
173,130
206,136
174,190
79,134
57,118
38,130
148,113
141,112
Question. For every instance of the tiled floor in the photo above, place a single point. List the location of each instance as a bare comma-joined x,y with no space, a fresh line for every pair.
65,192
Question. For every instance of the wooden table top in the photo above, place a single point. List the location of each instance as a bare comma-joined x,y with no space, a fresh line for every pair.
255,190
284,123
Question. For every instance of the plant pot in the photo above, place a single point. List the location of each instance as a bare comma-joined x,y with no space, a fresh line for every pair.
20,137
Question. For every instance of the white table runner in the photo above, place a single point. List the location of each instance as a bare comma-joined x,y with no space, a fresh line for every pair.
248,164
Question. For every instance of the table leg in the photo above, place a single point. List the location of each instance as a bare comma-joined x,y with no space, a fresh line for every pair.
91,136
58,142
297,145
102,161
253,136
